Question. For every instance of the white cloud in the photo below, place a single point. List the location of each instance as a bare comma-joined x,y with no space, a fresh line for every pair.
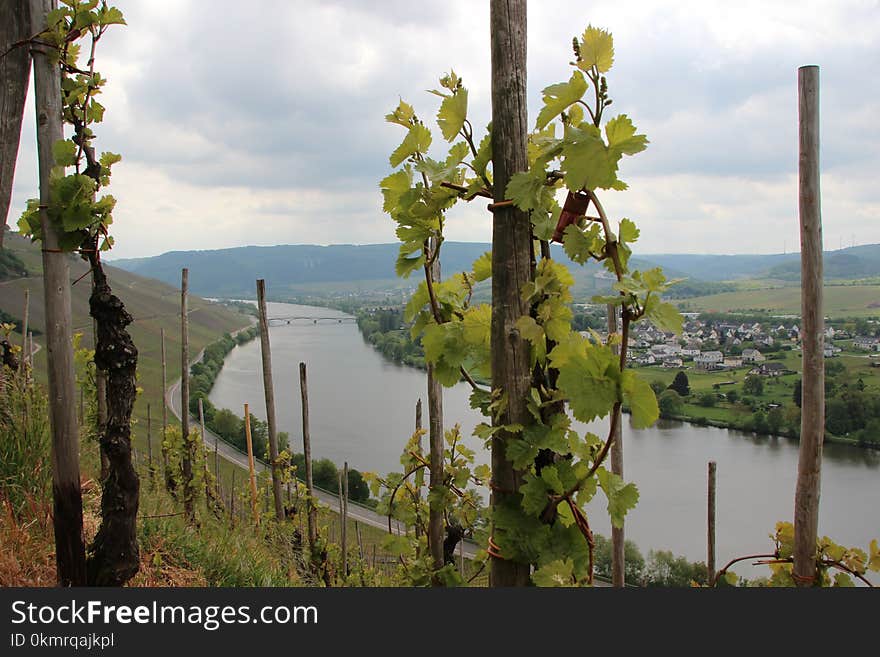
264,125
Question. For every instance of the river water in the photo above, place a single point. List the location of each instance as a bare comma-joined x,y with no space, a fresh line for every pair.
362,410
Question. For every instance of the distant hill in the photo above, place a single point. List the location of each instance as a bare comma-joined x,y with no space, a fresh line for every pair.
302,269
305,269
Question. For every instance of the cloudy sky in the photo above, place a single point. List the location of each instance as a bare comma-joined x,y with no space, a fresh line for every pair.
262,122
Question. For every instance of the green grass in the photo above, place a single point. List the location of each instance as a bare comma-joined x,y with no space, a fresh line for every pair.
839,301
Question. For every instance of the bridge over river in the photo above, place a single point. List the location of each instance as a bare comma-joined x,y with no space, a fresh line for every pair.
290,319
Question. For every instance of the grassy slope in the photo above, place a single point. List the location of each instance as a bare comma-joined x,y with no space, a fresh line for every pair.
840,301
152,304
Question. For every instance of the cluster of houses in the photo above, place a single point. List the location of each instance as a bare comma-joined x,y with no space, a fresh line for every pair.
713,346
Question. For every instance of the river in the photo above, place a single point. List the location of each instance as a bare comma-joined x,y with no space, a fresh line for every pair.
362,410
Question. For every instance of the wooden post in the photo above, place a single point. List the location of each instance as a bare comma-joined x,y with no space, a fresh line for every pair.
436,519
25,347
15,26
511,256
307,457
806,501
618,543
710,524
357,533
149,445
67,494
166,469
208,493
232,497
251,466
269,390
342,527
420,475
188,492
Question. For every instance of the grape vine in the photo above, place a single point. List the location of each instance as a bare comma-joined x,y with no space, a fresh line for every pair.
546,524
81,222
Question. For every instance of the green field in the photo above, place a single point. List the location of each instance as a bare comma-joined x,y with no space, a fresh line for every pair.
840,301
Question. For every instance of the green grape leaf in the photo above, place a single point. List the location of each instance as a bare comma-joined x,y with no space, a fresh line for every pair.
527,189
874,560
520,453
407,265
418,139
64,152
110,16
394,186
587,162
663,315
534,494
557,97
550,475
622,137
621,496
402,115
628,231
843,580
640,397
534,333
597,49
395,545
556,573
452,114
484,153
477,325
483,267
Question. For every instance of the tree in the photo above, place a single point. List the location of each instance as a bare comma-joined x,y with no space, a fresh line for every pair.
753,385
658,386
732,396
707,399
680,384
797,392
357,487
775,419
670,403
665,569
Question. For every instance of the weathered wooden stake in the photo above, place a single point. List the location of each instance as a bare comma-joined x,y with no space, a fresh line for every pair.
307,457
618,543
67,516
149,445
269,391
187,460
420,475
710,524
15,26
26,355
342,527
806,501
251,466
207,469
166,466
511,256
436,519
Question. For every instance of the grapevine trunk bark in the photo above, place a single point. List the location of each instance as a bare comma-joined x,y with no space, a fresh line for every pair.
435,441
14,68
114,556
66,492
511,260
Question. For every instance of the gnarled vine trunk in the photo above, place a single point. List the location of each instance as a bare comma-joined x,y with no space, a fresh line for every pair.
114,556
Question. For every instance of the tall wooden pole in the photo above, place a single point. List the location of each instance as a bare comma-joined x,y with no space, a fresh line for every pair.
207,469
806,501
618,543
511,259
307,457
25,347
342,522
269,391
251,465
66,492
166,469
149,444
710,527
187,459
435,442
15,26
420,475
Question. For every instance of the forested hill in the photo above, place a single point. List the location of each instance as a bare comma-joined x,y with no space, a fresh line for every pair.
305,268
